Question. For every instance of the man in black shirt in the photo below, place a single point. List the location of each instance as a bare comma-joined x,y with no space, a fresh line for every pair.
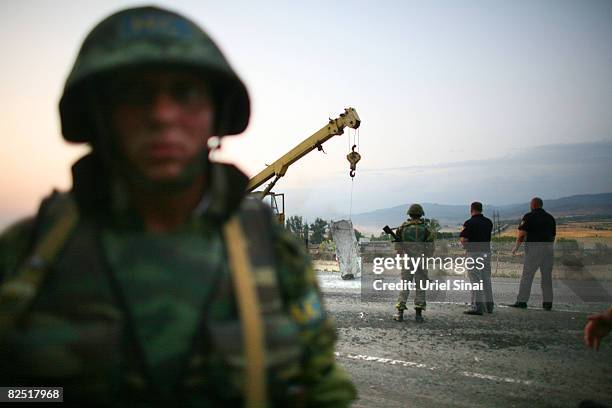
538,229
476,239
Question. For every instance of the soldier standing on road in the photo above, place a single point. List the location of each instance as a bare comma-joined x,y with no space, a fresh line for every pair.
476,239
415,240
155,281
538,230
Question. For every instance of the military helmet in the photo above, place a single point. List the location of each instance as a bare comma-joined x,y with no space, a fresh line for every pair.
143,37
416,210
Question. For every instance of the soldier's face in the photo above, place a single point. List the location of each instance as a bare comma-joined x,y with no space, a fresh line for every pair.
162,121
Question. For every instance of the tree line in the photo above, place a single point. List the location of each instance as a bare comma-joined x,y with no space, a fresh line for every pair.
315,232
318,231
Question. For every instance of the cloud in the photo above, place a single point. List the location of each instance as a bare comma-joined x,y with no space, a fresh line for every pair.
550,170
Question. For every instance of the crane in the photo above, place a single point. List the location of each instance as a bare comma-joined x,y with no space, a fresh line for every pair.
334,127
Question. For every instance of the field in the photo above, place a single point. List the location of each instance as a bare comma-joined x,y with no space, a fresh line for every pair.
571,228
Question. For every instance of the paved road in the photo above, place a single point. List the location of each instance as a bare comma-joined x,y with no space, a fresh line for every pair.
510,358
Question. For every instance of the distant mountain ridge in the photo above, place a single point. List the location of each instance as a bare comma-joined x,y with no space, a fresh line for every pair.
575,205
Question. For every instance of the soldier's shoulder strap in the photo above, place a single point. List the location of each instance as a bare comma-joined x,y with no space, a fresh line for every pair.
248,305
248,239
56,219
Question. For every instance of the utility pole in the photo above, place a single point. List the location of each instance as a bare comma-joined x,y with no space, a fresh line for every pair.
496,223
496,232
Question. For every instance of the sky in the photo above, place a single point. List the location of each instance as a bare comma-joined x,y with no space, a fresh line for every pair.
435,83
550,171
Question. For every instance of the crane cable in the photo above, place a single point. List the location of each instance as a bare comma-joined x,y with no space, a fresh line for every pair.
353,157
351,202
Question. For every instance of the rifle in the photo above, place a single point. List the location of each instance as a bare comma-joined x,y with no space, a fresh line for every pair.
389,231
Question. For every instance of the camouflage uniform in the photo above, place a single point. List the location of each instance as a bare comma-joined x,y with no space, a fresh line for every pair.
416,240
125,317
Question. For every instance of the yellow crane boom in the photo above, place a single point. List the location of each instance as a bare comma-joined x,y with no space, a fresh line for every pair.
278,169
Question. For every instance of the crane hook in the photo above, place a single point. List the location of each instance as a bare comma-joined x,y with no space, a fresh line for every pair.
353,157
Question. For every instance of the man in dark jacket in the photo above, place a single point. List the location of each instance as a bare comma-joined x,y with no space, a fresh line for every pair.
476,239
538,230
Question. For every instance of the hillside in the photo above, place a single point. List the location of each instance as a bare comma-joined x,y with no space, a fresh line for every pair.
577,205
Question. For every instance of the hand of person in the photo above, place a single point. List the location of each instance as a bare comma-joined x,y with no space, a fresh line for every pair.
598,327
514,251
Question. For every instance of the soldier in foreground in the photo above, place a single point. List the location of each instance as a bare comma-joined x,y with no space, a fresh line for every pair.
415,240
538,230
154,281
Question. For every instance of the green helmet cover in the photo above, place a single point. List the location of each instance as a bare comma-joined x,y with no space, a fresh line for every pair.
149,37
416,210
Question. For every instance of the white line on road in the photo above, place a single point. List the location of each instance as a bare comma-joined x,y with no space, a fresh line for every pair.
495,378
404,363
384,360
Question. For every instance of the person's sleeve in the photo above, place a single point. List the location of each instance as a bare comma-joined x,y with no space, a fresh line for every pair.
429,235
465,231
554,227
400,231
524,225
429,247
14,244
326,383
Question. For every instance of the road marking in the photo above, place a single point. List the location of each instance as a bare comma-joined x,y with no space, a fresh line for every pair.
389,361
413,364
495,378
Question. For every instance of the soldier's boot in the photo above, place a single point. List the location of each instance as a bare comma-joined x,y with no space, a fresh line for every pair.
477,309
418,316
519,305
399,315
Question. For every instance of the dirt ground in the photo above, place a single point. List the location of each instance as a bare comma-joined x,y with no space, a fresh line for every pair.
522,358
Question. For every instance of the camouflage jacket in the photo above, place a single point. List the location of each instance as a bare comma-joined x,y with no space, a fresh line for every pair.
156,323
414,230
415,238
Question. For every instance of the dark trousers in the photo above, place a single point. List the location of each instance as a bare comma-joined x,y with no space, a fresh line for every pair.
538,255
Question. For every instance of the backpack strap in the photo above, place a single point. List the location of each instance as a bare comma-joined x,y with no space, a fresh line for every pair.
17,293
270,339
250,314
